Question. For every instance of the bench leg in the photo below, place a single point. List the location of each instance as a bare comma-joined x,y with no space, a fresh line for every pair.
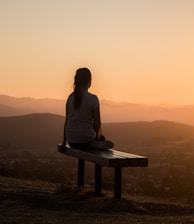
81,169
98,180
117,186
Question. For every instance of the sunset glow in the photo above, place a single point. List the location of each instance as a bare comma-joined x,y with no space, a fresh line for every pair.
138,51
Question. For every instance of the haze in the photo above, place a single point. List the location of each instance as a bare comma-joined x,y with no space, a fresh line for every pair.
138,51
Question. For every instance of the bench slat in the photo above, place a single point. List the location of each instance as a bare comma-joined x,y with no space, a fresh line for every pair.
103,157
84,155
130,160
111,158
141,160
125,159
114,160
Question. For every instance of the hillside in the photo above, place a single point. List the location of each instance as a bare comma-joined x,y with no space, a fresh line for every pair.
40,131
144,133
46,131
110,111
41,202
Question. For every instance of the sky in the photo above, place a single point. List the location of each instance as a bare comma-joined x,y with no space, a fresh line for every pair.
139,51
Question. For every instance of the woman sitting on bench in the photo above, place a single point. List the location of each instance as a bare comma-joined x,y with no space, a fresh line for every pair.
82,129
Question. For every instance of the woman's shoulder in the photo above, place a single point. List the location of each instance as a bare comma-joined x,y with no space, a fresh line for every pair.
70,95
92,96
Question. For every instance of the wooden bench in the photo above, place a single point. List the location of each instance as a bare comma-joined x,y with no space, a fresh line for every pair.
109,158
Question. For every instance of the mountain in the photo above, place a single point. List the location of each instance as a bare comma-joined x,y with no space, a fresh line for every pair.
12,106
110,111
121,112
31,131
45,131
130,135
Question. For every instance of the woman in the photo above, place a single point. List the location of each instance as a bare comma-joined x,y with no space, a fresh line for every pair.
82,129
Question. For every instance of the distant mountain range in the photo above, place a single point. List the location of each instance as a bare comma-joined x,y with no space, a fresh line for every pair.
12,106
45,131
110,111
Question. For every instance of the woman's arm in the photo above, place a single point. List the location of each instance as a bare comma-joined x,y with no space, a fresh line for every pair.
97,122
64,129
64,132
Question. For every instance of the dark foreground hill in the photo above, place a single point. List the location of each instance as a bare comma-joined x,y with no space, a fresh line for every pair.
34,202
44,131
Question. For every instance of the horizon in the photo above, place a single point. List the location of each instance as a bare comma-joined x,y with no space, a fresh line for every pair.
137,51
102,100
111,111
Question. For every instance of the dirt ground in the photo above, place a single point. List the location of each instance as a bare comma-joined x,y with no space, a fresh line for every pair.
30,202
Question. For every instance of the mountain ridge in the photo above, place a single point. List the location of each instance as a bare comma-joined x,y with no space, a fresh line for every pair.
110,111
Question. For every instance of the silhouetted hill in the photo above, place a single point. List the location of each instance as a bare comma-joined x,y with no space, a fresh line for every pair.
110,111
43,131
31,131
145,133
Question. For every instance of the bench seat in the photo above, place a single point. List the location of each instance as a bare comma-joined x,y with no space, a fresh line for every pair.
110,158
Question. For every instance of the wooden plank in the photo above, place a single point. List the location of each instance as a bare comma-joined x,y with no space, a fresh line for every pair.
141,160
130,160
87,156
114,160
111,158
102,157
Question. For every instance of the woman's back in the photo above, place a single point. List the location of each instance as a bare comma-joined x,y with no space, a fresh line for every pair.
80,122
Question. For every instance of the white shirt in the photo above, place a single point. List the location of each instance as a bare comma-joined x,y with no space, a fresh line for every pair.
80,122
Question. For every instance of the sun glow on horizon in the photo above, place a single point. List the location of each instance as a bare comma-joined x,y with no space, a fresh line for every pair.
138,51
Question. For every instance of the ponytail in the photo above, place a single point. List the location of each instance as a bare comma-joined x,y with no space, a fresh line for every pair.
82,80
77,97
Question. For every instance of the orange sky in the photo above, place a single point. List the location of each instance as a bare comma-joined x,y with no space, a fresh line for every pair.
138,51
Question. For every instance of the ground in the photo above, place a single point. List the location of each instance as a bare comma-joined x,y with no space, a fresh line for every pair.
33,201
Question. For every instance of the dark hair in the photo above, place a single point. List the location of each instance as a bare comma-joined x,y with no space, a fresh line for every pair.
82,80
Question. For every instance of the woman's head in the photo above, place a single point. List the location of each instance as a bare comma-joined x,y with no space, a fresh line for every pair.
82,78
82,81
